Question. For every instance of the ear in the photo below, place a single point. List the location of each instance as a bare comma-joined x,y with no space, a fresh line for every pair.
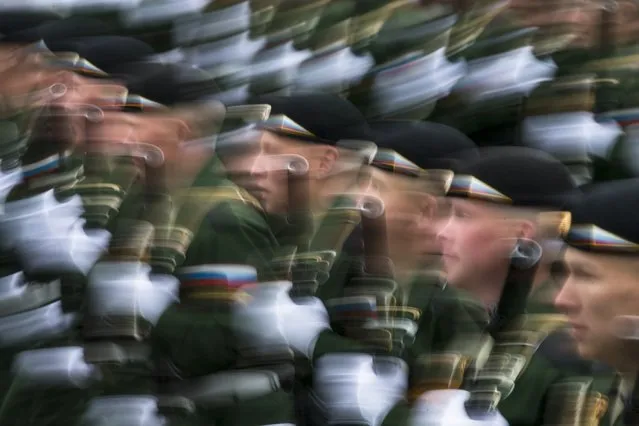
521,228
326,159
184,131
427,205
527,230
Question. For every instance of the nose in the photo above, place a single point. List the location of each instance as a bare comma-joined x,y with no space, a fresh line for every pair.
443,229
567,299
260,166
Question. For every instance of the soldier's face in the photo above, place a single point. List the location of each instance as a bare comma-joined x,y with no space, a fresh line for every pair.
239,160
251,167
267,179
476,241
596,290
409,218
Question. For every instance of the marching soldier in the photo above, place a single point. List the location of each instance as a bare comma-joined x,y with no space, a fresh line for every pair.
44,234
411,70
256,156
500,214
598,292
42,170
423,327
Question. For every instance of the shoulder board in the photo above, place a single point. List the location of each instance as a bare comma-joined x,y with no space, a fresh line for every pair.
540,322
438,371
219,194
571,401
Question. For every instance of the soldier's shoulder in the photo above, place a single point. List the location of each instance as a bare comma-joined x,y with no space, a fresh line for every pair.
237,213
237,208
560,351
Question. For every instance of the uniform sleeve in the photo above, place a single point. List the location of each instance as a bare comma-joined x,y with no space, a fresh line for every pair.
447,325
196,342
201,342
234,233
331,342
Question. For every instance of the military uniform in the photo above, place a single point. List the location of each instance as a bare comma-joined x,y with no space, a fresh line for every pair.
395,87
530,370
588,214
195,341
54,266
442,340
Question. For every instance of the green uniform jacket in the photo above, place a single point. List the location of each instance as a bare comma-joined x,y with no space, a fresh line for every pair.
201,342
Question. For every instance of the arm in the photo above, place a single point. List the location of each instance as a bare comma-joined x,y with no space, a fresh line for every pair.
234,233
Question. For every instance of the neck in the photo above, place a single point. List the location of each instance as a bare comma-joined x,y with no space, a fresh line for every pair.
324,193
487,289
625,360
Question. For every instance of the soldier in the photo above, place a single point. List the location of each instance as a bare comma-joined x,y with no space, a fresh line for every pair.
192,345
512,363
313,212
498,214
432,347
405,40
598,290
255,158
323,120
235,231
45,235
441,148
161,130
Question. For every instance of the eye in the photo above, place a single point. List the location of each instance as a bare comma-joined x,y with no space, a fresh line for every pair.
584,274
559,272
461,213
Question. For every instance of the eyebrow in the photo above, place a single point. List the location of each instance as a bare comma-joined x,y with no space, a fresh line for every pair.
580,265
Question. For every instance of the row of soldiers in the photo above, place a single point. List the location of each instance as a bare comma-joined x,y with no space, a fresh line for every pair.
286,260
501,72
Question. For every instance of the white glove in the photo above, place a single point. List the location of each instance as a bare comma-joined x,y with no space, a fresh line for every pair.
271,318
516,72
7,181
48,235
425,79
64,366
447,407
123,410
359,388
127,288
37,324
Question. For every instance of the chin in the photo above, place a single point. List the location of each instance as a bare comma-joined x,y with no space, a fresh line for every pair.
588,351
452,278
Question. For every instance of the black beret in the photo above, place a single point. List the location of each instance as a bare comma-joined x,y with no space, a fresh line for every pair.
329,118
155,81
15,22
429,145
167,84
604,218
104,51
53,30
517,176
